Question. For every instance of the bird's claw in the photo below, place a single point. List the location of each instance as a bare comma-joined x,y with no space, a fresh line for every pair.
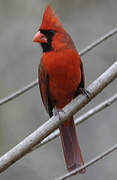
56,112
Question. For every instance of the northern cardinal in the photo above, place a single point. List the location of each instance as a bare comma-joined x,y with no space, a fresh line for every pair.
61,78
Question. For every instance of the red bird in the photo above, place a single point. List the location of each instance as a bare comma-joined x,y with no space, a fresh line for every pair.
61,78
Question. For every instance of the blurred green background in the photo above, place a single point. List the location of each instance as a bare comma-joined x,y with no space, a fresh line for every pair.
85,20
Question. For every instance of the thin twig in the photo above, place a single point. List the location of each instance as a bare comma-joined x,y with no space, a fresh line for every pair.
81,119
34,83
19,92
98,41
53,123
93,161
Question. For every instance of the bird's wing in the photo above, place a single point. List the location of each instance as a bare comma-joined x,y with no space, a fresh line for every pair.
44,89
82,82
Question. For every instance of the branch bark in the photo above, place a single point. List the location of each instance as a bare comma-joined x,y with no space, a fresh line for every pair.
36,137
81,119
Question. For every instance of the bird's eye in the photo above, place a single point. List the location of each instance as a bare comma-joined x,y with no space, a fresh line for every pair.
52,31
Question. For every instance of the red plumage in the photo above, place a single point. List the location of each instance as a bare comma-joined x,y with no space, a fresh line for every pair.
61,77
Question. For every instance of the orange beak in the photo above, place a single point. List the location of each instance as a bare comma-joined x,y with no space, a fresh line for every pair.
40,38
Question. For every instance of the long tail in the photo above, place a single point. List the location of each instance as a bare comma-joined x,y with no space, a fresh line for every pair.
70,144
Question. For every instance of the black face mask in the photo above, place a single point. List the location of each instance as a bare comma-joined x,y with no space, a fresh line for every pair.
49,35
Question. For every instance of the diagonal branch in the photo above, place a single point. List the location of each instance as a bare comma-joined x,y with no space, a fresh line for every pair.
19,92
35,83
91,162
80,119
53,123
98,41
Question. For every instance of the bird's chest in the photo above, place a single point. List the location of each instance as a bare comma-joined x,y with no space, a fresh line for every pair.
64,75
62,69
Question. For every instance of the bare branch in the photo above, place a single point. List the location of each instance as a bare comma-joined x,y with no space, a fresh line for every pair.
97,108
93,161
34,83
19,92
53,123
81,119
98,41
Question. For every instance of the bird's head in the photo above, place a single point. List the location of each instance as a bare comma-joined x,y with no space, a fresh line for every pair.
51,35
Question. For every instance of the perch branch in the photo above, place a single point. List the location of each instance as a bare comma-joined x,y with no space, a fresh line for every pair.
53,123
81,119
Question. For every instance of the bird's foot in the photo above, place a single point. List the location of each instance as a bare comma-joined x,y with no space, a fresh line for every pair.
56,112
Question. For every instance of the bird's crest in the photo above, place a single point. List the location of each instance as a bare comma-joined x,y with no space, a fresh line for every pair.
50,20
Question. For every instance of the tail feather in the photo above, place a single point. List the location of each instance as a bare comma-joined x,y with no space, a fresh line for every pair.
70,144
